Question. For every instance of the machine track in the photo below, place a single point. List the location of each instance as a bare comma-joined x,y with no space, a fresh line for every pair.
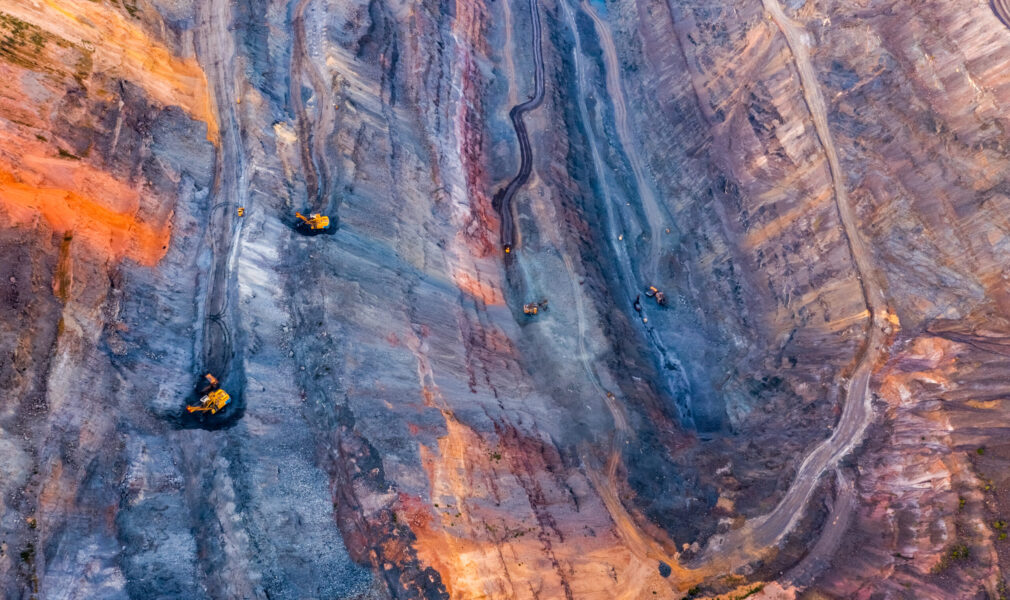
219,353
1002,10
503,199
312,132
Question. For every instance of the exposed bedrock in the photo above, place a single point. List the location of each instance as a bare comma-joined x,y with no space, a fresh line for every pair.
816,408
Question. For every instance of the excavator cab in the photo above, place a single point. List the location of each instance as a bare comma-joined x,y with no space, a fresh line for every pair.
313,222
659,296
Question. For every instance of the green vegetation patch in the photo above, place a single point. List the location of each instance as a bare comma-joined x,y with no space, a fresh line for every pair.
21,42
24,44
956,554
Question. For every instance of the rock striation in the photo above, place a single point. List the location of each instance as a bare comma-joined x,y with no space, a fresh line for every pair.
814,407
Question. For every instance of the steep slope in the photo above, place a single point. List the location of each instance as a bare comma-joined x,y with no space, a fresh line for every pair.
816,410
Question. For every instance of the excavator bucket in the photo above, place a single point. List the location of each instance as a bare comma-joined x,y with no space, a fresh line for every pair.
211,383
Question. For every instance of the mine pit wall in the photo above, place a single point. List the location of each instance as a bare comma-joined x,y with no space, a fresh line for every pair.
98,176
412,339
763,320
104,496
743,166
927,177
399,418
932,191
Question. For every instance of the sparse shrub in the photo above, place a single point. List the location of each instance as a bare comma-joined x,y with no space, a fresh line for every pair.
957,553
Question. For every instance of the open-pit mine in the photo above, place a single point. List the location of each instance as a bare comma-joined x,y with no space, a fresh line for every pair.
505,299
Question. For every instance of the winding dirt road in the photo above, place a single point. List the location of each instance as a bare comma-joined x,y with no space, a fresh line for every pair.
839,517
503,199
858,410
738,547
763,532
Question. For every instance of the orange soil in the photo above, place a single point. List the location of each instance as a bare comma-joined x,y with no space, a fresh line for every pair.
122,48
113,232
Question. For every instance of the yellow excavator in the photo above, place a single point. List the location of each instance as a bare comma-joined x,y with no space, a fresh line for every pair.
314,222
214,398
533,308
654,293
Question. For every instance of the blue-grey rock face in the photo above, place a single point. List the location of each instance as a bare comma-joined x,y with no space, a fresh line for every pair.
617,299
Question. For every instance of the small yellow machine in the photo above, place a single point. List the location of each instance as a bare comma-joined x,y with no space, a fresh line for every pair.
534,308
315,222
659,296
212,402
214,398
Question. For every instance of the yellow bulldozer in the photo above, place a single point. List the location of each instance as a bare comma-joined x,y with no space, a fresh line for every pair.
214,398
314,222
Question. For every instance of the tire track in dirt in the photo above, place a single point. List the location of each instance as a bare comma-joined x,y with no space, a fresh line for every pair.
510,66
312,133
205,465
220,355
503,199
